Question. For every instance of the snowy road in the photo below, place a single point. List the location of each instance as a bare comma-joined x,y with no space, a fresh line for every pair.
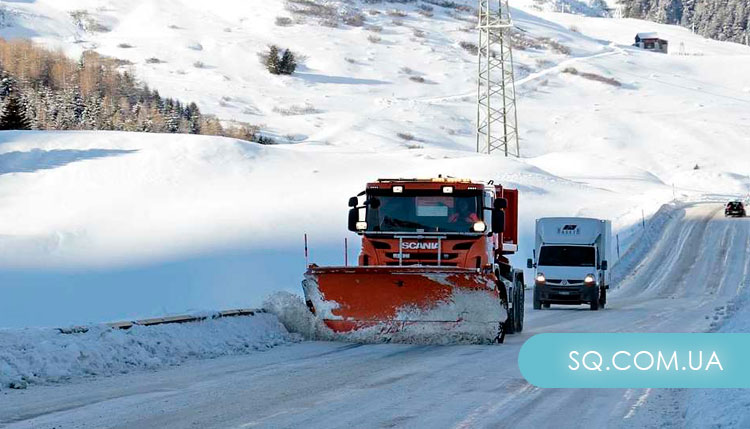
699,263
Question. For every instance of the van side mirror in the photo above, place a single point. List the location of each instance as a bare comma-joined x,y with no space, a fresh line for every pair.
604,265
353,219
353,201
501,204
498,221
529,263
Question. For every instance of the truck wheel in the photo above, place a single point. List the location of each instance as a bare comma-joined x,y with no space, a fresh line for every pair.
595,305
518,307
510,326
510,322
602,297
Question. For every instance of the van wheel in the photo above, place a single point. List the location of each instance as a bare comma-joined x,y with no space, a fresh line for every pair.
602,298
537,301
595,305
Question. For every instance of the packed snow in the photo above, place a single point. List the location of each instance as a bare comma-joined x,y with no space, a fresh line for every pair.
44,355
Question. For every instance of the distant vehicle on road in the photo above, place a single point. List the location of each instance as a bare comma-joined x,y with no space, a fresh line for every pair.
570,258
734,209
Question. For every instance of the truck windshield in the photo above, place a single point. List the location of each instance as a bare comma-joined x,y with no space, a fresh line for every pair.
428,213
567,256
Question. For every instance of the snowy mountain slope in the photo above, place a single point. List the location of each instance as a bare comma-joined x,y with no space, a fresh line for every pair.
96,222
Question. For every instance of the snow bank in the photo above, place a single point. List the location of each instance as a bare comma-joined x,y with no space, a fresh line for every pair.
723,408
644,241
45,355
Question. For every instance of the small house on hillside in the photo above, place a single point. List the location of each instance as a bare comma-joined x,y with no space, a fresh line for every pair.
651,42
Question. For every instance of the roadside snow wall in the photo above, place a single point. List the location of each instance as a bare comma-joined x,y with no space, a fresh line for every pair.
43,355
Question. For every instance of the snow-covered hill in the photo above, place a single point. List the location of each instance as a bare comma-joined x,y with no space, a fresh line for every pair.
101,226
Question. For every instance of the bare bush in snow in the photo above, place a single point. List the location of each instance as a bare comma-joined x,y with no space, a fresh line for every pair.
406,136
284,21
469,47
296,110
593,76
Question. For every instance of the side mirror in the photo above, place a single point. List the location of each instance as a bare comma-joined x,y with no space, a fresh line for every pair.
604,265
501,204
353,201
353,219
498,221
529,263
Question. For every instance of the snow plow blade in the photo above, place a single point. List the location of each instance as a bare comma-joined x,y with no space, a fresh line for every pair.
390,299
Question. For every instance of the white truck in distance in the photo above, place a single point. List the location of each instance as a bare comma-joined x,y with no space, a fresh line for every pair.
570,257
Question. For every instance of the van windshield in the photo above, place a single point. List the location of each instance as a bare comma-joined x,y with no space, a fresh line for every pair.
567,256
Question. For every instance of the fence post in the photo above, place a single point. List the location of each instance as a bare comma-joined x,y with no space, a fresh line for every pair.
618,246
307,261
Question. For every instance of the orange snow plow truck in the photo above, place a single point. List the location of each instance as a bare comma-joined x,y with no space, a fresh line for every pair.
433,257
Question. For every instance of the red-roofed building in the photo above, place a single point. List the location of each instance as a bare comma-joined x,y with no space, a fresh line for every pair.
651,42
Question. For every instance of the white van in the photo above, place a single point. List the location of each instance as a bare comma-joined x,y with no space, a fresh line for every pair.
571,257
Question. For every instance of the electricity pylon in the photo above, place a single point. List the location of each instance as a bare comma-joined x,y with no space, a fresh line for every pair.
497,120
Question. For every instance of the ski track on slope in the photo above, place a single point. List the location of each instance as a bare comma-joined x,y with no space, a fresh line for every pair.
315,383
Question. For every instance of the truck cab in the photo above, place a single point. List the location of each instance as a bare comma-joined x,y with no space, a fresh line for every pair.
439,222
571,262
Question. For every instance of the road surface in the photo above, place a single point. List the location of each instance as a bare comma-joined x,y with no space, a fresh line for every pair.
698,264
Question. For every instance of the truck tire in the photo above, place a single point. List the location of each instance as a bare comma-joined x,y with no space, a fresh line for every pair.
603,297
510,322
518,306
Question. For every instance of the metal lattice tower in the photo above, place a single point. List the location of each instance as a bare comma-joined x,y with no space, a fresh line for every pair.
497,121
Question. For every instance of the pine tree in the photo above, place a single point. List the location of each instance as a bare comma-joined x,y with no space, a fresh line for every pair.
288,63
272,60
194,118
12,116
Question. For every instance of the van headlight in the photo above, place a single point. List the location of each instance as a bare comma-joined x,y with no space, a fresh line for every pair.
589,280
540,278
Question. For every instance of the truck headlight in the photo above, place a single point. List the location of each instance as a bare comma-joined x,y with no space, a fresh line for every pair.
480,226
361,226
540,278
589,280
